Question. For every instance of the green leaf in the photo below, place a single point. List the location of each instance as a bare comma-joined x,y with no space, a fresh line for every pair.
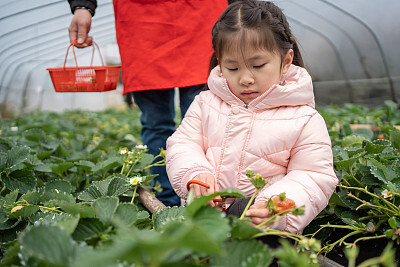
190,236
138,247
163,217
66,221
10,257
32,161
347,164
3,215
60,185
107,164
103,145
146,160
394,136
9,224
13,157
394,222
347,129
199,202
127,213
86,211
148,178
23,180
67,206
288,255
117,186
241,229
373,148
213,222
48,243
53,197
339,153
352,140
90,194
349,202
5,145
88,228
110,187
364,132
105,208
34,134
43,168
86,165
51,145
10,198
350,218
62,151
102,186
144,221
62,167
249,253
43,154
25,212
335,199
382,172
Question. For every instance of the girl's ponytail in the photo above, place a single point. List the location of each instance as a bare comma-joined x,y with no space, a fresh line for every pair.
297,58
213,63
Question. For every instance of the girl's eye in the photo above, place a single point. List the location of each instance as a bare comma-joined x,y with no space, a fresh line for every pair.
232,69
259,66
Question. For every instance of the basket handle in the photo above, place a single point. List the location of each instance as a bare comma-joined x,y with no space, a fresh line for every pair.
73,51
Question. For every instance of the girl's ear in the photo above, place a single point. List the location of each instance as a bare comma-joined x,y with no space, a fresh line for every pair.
287,61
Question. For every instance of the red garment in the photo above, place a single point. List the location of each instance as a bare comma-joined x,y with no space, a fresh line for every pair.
165,44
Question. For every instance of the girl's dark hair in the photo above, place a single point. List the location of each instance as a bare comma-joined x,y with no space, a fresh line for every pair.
250,23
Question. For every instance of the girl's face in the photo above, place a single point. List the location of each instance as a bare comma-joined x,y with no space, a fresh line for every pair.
263,69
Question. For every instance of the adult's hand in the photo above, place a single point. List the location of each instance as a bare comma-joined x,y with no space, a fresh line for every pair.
80,27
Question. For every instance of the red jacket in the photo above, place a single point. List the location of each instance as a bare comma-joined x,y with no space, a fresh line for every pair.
165,44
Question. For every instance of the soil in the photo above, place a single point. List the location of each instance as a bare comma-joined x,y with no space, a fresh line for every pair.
368,249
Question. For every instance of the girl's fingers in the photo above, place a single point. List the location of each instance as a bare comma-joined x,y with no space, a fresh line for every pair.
196,190
258,210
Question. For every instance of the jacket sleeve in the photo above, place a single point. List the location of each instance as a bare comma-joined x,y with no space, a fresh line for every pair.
310,178
186,153
89,4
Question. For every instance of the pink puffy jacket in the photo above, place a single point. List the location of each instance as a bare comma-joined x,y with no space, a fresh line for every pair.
278,135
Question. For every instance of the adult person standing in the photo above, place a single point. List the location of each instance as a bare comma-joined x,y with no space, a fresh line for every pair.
163,44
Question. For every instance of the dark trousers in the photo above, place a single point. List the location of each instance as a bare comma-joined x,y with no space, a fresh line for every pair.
158,123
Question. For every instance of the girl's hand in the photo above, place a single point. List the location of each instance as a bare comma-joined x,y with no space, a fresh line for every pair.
258,213
202,190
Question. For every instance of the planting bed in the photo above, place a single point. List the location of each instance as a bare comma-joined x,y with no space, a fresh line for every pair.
75,192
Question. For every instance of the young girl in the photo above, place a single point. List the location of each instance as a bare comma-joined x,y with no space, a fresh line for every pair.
258,115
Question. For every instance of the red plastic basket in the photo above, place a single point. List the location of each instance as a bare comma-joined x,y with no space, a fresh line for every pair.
84,79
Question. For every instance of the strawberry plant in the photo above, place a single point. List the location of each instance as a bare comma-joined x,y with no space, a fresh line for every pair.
70,186
365,208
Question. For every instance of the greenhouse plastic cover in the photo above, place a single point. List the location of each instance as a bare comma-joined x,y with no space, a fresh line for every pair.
350,47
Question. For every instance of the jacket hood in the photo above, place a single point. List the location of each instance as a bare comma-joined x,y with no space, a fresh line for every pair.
295,89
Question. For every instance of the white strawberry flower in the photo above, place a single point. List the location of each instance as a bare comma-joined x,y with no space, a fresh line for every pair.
387,193
141,147
123,151
135,180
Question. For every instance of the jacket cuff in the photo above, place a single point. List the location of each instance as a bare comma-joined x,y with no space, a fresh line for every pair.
89,5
